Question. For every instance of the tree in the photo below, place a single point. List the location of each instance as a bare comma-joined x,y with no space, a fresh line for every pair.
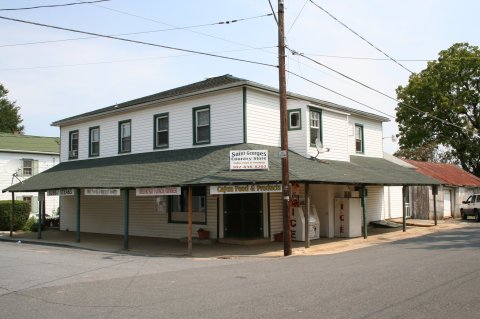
10,119
440,107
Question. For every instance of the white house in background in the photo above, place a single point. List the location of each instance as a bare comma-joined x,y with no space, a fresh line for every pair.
24,156
189,136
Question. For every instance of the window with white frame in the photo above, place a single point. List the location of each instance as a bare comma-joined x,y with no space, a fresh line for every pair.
161,131
125,136
201,119
73,145
315,126
94,141
29,167
359,142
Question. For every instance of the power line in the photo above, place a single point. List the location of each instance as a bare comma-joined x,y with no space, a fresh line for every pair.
113,61
296,18
361,37
170,25
137,42
53,5
425,113
273,12
340,94
141,32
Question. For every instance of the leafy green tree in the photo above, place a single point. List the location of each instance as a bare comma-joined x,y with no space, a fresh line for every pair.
10,119
440,107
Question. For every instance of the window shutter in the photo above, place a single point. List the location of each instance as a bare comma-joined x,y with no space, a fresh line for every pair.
35,204
34,167
20,169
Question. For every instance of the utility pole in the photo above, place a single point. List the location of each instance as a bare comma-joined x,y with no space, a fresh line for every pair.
287,234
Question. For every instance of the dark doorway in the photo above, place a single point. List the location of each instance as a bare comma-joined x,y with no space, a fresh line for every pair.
243,216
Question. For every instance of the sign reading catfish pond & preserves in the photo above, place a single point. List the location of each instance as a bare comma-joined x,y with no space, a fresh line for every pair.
248,159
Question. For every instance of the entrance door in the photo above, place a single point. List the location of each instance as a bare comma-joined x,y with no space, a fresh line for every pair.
243,216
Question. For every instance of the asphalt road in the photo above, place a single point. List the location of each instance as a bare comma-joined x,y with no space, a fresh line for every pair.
435,276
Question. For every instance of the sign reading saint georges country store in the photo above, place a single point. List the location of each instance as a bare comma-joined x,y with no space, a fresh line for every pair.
243,189
248,159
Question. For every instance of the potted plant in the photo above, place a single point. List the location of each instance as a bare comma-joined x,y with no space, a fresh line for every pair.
203,234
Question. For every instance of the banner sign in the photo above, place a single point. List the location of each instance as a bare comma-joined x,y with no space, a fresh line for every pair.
102,191
243,189
61,192
248,159
159,191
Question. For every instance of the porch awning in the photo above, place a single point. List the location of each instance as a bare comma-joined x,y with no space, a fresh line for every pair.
210,166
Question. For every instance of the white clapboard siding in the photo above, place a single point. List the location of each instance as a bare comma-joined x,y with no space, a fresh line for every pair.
393,201
226,120
263,118
374,203
106,216
276,215
373,136
335,137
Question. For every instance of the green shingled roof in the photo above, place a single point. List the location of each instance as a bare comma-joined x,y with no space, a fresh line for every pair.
29,144
207,85
210,165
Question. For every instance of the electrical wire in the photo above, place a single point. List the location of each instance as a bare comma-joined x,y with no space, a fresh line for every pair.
137,42
53,5
140,32
273,12
340,94
173,26
296,18
425,113
361,37
111,61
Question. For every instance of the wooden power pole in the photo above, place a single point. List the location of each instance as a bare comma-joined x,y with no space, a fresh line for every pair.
287,236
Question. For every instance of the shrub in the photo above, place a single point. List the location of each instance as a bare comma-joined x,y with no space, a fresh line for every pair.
31,225
20,215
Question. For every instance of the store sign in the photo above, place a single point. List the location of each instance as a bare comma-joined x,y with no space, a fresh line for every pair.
61,192
158,191
248,159
244,189
102,191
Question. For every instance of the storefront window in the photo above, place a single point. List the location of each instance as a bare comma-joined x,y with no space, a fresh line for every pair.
178,206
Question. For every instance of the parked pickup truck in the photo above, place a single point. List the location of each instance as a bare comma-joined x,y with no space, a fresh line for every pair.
471,207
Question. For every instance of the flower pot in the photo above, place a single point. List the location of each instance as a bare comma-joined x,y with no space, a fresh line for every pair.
204,234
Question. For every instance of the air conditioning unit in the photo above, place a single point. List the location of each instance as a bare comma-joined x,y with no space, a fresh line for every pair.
73,154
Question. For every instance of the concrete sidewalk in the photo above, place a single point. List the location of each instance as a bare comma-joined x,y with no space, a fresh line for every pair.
151,246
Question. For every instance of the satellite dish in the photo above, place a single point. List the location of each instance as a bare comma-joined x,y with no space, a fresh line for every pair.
320,148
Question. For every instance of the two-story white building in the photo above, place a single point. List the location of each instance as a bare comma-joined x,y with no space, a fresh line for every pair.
125,169
24,156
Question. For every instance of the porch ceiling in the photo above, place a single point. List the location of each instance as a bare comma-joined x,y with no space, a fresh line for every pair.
210,165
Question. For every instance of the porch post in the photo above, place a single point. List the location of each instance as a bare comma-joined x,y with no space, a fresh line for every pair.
307,215
190,220
404,202
11,214
126,212
364,206
435,192
78,214
40,208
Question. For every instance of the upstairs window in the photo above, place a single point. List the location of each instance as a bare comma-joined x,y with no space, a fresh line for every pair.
73,145
29,167
315,126
124,136
161,130
359,143
294,120
201,125
94,141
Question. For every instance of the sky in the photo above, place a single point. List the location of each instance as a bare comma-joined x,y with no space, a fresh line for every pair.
51,74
